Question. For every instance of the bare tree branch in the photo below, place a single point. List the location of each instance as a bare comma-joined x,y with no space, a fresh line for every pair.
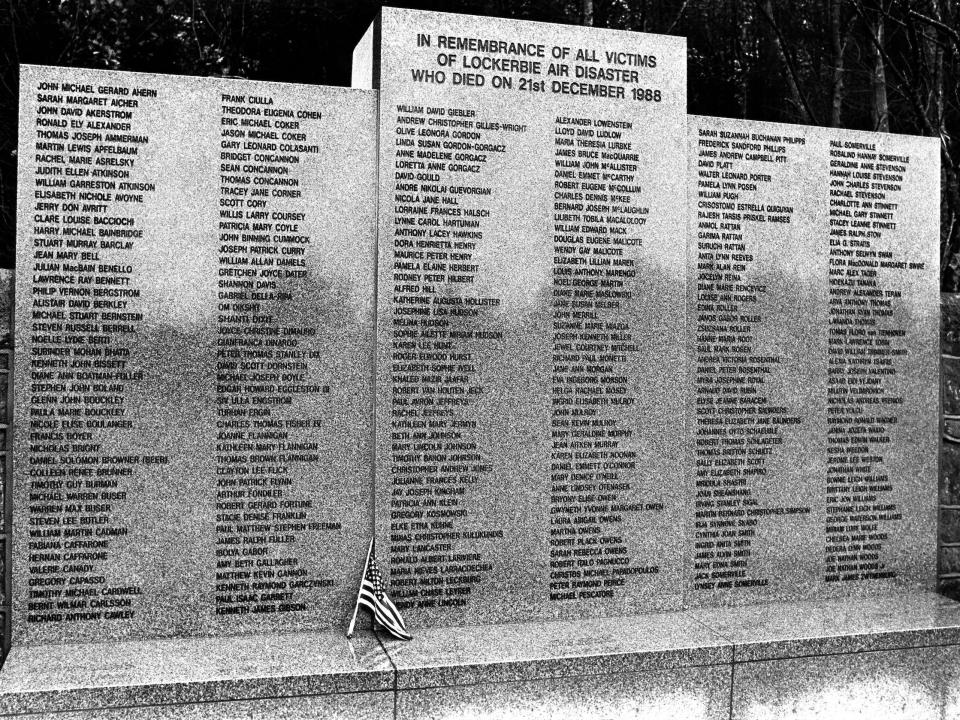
888,63
683,9
935,23
791,70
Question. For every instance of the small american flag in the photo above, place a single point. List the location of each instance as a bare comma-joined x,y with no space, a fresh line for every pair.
373,596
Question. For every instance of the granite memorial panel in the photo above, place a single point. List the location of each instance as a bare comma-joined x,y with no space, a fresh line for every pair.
529,421
569,411
194,343
813,380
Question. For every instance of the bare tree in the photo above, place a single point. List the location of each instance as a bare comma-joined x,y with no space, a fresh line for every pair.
880,109
840,30
793,83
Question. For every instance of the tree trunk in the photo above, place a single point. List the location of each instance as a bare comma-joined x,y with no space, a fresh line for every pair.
880,109
788,70
588,12
838,43
950,197
738,65
936,51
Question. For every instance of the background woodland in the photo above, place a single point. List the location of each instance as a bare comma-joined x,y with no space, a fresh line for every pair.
885,65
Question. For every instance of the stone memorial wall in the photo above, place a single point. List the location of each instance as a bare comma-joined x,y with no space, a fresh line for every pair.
194,309
813,342
530,317
565,351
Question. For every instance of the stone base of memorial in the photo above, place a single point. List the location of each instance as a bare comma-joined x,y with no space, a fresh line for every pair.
304,675
889,657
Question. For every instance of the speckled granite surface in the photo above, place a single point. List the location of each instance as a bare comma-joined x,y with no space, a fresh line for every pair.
500,653
822,482
158,672
244,388
781,659
917,684
355,706
567,335
825,627
691,693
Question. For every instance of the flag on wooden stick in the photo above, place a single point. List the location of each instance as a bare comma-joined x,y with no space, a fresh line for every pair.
373,595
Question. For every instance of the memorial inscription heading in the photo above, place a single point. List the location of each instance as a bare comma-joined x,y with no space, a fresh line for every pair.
530,317
194,341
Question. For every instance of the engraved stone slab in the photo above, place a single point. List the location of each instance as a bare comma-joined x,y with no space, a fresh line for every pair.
813,308
193,352
530,317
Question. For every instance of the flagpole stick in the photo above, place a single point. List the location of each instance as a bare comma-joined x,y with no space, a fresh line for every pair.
356,606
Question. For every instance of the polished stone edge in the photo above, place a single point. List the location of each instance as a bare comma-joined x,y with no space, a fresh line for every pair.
57,701
843,644
60,678
548,669
696,637
512,652
38,679
833,627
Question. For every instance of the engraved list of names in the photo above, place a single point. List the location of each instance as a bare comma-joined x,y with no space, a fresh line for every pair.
194,334
530,318
813,327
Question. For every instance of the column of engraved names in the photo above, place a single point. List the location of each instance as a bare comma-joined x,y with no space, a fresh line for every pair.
866,348
598,217
89,181
740,429
437,328
264,366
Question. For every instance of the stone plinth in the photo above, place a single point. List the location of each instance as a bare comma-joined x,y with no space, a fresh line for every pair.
319,674
818,659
